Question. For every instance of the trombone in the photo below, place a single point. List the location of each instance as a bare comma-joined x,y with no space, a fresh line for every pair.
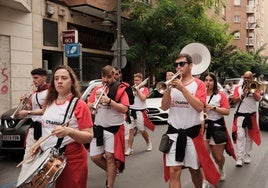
136,88
22,103
162,86
95,106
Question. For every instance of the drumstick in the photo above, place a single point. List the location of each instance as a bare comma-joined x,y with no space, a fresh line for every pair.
42,139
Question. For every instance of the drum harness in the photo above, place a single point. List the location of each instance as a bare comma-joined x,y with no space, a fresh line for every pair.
68,115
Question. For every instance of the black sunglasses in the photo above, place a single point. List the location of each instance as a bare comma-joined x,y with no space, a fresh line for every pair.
182,63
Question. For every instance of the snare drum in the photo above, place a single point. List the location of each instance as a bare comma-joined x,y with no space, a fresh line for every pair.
44,171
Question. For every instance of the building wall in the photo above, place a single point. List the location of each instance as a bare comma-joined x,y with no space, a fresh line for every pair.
16,57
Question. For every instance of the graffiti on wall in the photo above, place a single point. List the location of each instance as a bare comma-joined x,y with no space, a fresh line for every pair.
4,87
5,79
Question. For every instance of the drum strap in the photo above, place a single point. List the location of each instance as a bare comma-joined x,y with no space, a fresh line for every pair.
67,116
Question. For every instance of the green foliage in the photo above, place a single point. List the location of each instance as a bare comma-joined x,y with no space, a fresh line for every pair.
157,34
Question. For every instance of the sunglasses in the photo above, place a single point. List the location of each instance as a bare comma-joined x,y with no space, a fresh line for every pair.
182,63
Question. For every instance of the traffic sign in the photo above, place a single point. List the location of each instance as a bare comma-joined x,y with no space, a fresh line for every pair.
69,36
72,50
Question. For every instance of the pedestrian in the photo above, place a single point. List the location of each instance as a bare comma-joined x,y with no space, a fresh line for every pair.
34,101
169,75
108,145
216,134
185,101
117,74
64,89
138,114
245,128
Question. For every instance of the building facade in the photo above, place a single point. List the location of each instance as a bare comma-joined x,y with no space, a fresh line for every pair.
247,20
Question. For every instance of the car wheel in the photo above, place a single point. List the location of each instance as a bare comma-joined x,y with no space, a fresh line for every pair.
263,122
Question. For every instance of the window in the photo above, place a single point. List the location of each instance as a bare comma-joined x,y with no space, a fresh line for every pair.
50,33
237,19
236,2
237,35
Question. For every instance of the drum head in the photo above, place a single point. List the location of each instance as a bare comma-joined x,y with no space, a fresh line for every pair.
35,166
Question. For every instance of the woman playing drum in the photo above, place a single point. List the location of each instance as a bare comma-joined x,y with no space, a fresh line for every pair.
64,86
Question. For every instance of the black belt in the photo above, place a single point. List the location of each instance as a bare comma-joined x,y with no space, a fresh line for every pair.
247,120
192,132
133,112
98,132
210,126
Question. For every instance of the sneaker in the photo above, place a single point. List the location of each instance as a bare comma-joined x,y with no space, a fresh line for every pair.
247,159
129,151
239,163
222,172
149,146
205,184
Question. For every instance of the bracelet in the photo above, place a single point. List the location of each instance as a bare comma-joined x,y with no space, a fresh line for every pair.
29,112
109,101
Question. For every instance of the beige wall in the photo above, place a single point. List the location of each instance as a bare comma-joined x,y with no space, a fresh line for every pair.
16,61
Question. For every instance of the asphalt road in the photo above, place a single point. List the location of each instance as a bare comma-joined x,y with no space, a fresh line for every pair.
145,169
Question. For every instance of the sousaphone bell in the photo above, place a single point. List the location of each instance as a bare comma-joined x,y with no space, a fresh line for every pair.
200,55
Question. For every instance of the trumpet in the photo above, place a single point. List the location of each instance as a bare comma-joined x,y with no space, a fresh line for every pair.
162,86
136,88
95,106
22,104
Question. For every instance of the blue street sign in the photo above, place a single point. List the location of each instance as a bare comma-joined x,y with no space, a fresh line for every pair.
72,49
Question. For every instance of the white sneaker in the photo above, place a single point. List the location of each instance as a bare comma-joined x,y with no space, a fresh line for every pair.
247,159
129,151
239,163
149,146
205,184
222,172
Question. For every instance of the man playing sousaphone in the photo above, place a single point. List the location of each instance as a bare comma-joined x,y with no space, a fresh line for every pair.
62,104
245,128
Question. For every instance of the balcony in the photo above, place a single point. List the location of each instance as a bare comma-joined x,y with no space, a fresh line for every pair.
250,9
23,5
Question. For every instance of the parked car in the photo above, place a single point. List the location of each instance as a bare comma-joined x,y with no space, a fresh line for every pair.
155,113
263,111
13,131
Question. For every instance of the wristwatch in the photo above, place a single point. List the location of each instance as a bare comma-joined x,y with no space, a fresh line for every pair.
214,108
29,112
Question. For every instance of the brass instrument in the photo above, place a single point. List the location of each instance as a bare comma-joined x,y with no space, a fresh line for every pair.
136,88
22,104
200,55
95,106
251,87
162,86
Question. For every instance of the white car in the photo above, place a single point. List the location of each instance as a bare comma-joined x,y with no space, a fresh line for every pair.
154,112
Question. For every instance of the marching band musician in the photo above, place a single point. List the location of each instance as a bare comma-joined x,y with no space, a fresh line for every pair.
36,101
216,135
64,87
138,115
245,128
185,101
108,145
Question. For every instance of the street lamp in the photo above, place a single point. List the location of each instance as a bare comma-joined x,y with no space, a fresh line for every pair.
119,41
249,24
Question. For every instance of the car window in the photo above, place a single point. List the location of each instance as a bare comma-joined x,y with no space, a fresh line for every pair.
234,80
155,94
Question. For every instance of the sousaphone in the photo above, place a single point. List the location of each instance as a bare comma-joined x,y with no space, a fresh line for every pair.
200,55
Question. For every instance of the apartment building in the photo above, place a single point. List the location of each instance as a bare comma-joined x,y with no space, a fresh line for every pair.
247,18
32,34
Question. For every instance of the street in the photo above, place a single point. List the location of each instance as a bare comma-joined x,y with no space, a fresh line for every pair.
145,169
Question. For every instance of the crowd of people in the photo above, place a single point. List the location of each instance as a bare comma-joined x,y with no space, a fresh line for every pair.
64,123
